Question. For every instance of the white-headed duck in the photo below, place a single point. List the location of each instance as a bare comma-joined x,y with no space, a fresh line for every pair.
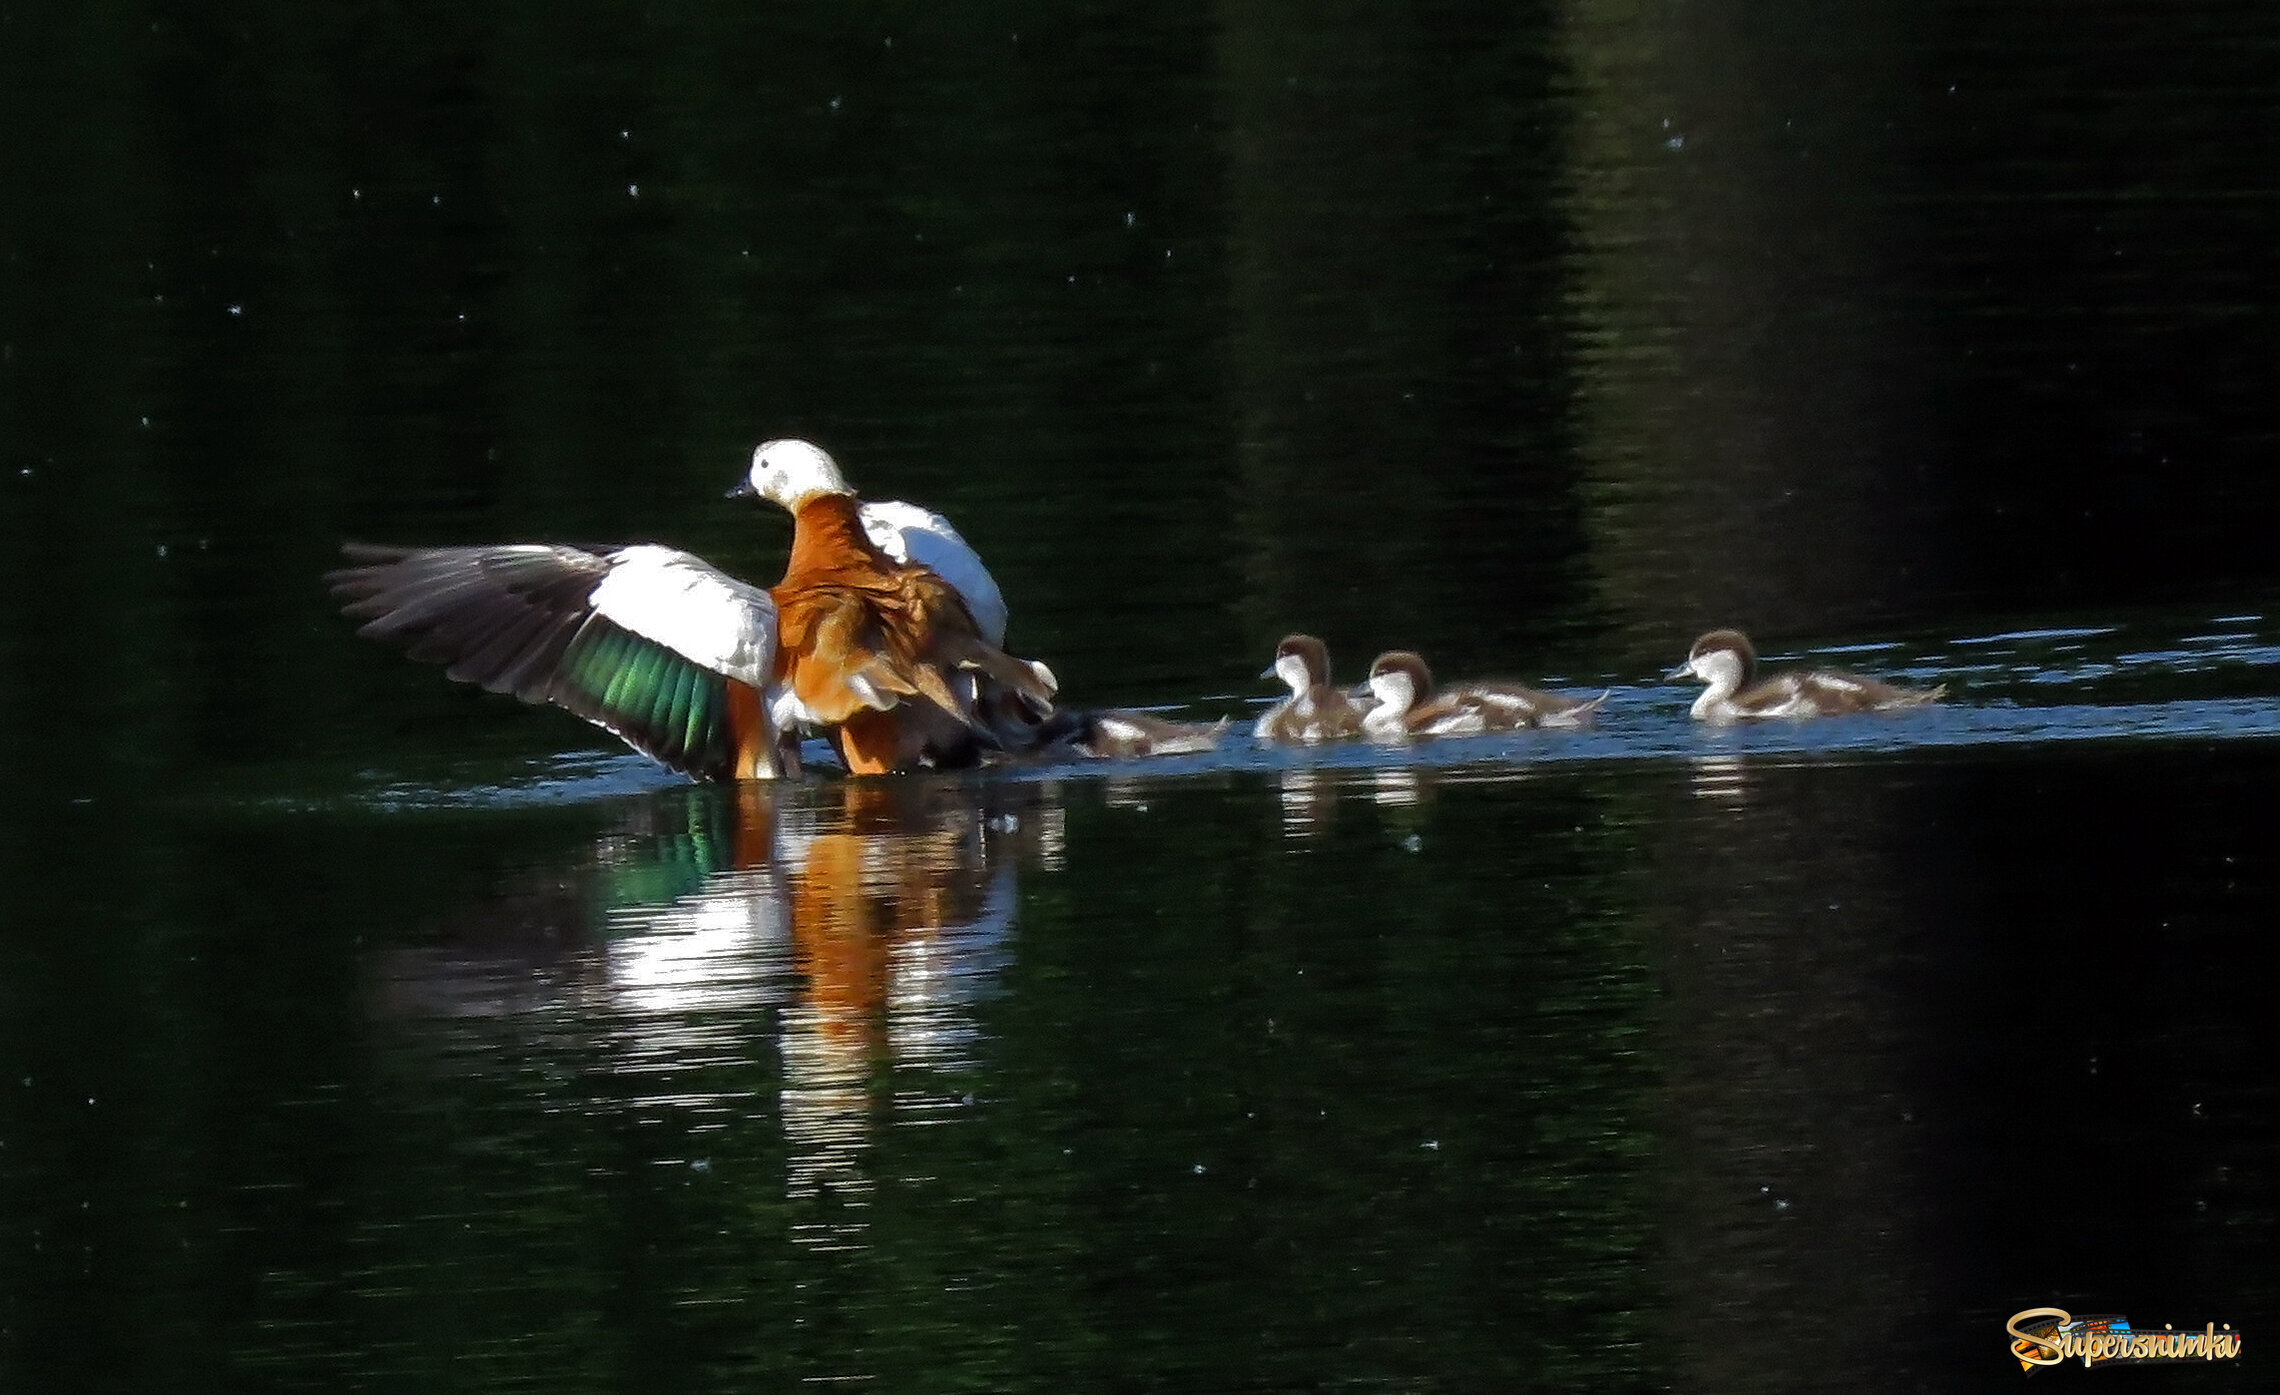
704,672
1315,711
1726,662
869,648
1407,703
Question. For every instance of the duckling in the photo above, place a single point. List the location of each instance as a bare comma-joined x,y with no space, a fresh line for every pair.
1106,734
869,647
1726,662
1408,705
1121,734
1315,711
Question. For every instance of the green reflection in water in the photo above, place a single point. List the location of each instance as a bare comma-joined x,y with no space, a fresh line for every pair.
1218,1129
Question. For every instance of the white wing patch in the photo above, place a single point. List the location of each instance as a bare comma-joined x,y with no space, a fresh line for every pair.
1785,696
693,609
788,713
909,533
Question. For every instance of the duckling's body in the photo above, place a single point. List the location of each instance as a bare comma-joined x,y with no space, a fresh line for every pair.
1408,704
1119,734
1112,734
1726,662
1315,711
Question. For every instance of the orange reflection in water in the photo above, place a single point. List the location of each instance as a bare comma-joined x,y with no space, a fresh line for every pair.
853,926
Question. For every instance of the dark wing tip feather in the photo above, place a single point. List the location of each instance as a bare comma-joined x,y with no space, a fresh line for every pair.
520,620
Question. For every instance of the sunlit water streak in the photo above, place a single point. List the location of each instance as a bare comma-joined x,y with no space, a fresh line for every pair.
847,935
2018,687
833,938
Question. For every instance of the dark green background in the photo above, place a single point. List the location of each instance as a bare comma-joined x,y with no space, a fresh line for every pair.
1535,337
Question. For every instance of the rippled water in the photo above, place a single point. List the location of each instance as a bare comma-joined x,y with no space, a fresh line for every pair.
1650,1056
1477,1072
2212,680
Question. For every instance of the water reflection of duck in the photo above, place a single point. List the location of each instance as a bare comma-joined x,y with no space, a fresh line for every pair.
1315,711
1407,703
846,928
1726,662
884,632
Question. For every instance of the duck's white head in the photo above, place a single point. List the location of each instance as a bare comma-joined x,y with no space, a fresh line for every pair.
789,473
1724,659
1398,679
1302,662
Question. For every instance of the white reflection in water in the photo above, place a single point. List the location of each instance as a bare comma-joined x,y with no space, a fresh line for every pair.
1124,792
1049,831
1724,779
1396,787
721,948
935,979
1308,799
858,925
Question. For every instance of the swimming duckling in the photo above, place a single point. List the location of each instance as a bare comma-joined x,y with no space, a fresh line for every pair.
1107,734
1724,660
1408,704
1122,734
1315,711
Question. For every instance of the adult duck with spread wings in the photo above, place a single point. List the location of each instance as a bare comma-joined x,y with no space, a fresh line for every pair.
883,635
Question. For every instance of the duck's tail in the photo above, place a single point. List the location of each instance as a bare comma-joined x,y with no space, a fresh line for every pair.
1032,682
1579,715
1917,697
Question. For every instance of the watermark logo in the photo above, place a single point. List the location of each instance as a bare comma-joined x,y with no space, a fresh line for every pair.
2047,1336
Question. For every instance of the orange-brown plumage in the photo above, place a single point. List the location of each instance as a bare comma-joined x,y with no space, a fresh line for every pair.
748,728
868,644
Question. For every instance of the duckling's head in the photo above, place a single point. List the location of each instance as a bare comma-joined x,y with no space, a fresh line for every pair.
1302,662
789,473
1721,657
1400,680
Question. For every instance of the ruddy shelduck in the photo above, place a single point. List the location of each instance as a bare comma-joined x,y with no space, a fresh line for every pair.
875,636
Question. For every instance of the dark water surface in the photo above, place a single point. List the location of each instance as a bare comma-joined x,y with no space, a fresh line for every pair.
358,1032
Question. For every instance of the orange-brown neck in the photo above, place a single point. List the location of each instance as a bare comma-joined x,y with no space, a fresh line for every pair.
828,538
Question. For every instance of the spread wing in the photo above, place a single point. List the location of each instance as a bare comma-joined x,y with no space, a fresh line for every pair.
652,644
